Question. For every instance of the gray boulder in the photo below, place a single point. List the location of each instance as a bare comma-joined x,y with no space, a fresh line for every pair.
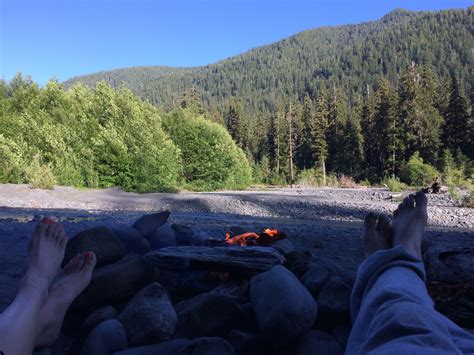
162,237
132,239
284,308
248,343
149,317
284,246
184,234
315,278
333,301
106,338
209,346
208,314
116,282
100,240
150,222
316,342
169,347
100,315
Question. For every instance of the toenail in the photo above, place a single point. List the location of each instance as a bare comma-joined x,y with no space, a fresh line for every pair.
47,220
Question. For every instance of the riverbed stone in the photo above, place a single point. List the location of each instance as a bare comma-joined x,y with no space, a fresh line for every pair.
162,237
116,282
98,316
100,240
150,222
284,308
315,278
333,301
149,317
168,347
132,239
208,314
106,338
284,246
209,345
316,342
185,235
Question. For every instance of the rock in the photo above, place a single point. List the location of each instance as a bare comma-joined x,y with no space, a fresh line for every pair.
209,346
315,278
284,246
349,277
333,301
208,314
183,285
317,342
284,307
341,334
150,222
247,343
132,239
169,347
116,282
106,338
184,234
100,315
149,317
162,237
100,240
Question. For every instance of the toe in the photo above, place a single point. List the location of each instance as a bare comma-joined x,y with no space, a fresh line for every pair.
421,200
383,223
90,260
370,221
408,202
51,230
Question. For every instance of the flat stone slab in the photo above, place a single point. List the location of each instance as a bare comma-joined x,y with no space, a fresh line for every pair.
252,260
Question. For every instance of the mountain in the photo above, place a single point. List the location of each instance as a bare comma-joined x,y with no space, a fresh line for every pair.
350,57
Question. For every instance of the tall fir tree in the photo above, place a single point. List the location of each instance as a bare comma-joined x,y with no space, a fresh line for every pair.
305,156
234,120
337,122
319,126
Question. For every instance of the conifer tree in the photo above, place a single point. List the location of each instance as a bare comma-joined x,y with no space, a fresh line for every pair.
305,156
319,126
235,124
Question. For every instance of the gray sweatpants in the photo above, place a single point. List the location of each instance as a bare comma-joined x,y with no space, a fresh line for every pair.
392,312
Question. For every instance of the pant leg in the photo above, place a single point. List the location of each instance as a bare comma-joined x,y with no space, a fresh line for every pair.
392,312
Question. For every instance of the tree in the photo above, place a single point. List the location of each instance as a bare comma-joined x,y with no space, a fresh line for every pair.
305,156
456,119
235,124
319,125
292,136
338,117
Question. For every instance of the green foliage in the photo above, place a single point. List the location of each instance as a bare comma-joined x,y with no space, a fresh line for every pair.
310,178
416,173
40,175
11,161
394,184
211,159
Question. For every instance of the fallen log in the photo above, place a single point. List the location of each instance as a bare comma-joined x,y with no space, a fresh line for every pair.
251,260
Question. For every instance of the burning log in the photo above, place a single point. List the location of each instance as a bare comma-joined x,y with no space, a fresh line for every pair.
267,237
251,260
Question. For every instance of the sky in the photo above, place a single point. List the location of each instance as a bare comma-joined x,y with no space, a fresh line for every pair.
59,39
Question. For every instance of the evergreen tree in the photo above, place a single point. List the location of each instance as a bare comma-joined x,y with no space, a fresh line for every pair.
456,119
337,122
305,156
235,124
319,126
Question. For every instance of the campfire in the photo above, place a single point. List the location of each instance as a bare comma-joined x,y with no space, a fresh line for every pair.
266,237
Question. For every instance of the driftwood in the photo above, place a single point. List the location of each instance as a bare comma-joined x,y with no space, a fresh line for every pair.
251,260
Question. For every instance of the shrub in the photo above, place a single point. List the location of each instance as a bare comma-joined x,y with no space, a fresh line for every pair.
11,162
211,159
40,175
394,184
416,173
347,182
310,178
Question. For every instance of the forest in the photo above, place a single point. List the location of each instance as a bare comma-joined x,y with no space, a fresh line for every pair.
385,102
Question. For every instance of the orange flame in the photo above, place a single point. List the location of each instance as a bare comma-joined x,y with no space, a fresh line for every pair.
243,239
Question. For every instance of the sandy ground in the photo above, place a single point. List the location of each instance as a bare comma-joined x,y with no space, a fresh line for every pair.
328,222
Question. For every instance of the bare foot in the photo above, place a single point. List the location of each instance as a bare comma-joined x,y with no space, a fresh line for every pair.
45,254
377,234
409,222
73,280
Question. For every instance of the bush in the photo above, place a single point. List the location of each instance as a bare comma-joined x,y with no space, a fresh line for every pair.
394,184
40,175
211,159
11,162
416,173
310,178
346,182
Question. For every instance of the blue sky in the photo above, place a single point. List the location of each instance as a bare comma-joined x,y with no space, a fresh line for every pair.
63,38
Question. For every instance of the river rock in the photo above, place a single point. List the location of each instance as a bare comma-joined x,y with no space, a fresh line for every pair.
315,278
316,342
149,317
184,234
333,301
284,307
284,246
106,338
248,343
150,222
169,347
100,240
208,314
162,237
132,239
116,282
100,315
209,346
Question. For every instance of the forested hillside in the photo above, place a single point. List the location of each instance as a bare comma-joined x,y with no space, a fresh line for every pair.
349,57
